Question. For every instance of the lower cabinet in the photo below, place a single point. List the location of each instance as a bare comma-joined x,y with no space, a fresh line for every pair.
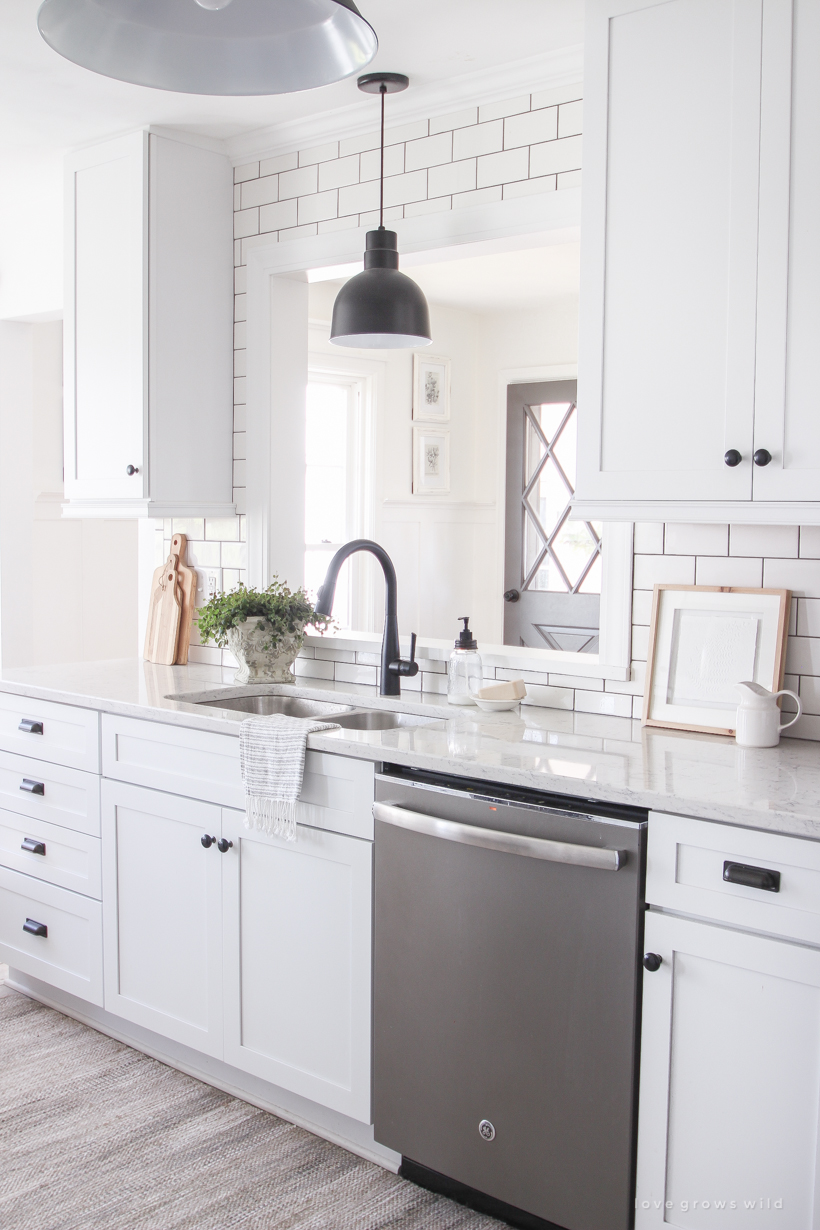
730,1080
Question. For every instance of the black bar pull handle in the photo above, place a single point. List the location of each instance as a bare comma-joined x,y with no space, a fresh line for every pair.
752,877
34,928
33,846
30,726
32,787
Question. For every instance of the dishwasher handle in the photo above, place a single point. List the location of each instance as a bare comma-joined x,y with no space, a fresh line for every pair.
504,843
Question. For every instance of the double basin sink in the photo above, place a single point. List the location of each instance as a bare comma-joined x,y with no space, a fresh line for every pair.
346,716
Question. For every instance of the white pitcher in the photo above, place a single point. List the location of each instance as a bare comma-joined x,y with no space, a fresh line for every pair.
758,715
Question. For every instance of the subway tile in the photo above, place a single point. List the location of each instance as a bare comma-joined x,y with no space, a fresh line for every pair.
204,554
230,579
240,335
371,163
630,687
803,655
637,707
576,681
249,171
431,666
640,643
298,183
793,615
434,206
648,537
234,554
370,219
277,217
240,307
571,119
318,207
334,655
809,692
246,222
428,151
568,179
411,186
257,241
810,541
353,673
729,570
406,132
307,652
338,224
557,95
239,418
498,110
239,474
237,196
456,119
240,280
240,362
641,606
237,252
240,389
222,529
774,541
308,668
319,153
239,453
807,728
413,683
548,697
298,232
480,139
483,196
696,539
240,501
436,684
808,616
552,157
282,162
260,191
358,197
792,682
356,145
529,187
339,173
801,576
454,177
652,570
531,127
243,529
191,527
209,655
603,702
505,673
370,659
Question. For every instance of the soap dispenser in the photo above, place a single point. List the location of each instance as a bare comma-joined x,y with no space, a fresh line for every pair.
464,674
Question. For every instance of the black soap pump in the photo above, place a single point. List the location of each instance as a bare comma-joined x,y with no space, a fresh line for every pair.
465,673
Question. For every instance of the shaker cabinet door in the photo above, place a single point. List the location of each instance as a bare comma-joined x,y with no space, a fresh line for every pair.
730,1081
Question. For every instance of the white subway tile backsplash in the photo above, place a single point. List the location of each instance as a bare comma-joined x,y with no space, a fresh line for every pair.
207,654
648,539
308,668
729,570
230,579
239,363
641,606
456,119
239,453
428,151
371,161
570,119
696,539
249,171
245,222
355,145
371,219
477,140
282,162
237,196
406,132
808,616
239,474
531,127
358,197
502,168
240,390
437,684
652,570
191,527
298,232
453,177
510,106
779,541
801,576
603,702
557,95
319,153
276,217
640,643
568,179
318,207
482,196
353,673
810,541
223,529
433,206
808,689
529,187
260,191
338,224
576,681
204,554
240,335
331,654
339,173
239,418
234,555
411,186
240,308
803,655
552,157
298,183
547,697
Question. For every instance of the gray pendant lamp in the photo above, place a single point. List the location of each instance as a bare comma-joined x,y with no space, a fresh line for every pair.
230,47
380,308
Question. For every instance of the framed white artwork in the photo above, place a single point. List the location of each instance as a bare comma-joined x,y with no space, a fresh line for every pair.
431,387
703,641
431,460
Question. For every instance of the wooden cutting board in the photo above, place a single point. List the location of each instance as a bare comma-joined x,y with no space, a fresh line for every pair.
186,581
162,632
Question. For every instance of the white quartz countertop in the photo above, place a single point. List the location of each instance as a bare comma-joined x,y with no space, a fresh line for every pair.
593,757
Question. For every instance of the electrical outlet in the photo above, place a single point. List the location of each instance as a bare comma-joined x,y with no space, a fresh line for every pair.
213,584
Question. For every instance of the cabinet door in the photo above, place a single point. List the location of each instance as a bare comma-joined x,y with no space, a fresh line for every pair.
788,364
297,927
106,303
162,914
669,242
730,1081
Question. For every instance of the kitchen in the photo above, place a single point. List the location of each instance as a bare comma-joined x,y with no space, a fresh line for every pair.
211,262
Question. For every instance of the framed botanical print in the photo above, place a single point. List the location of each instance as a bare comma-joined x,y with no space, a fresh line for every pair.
431,460
431,388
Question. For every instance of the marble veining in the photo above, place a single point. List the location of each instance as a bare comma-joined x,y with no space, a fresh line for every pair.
587,755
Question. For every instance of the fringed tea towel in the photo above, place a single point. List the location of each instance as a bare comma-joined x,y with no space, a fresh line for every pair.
272,758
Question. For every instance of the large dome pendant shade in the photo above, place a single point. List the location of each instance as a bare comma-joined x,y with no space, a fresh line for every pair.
226,47
380,308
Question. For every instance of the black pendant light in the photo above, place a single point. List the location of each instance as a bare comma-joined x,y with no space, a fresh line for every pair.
380,308
212,46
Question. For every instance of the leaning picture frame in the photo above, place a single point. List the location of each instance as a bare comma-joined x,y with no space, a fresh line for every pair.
431,460
431,388
703,641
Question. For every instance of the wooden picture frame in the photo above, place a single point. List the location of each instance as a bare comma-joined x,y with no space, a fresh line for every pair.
700,637
431,388
431,460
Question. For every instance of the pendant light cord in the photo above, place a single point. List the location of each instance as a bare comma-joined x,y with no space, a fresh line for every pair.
382,91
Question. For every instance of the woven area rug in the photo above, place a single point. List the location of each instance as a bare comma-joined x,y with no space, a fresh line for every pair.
95,1134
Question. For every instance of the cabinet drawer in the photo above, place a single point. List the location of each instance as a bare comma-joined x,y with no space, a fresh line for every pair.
194,763
685,868
337,794
66,735
67,797
69,956
69,859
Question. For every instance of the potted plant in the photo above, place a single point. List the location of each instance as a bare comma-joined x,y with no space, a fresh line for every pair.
263,628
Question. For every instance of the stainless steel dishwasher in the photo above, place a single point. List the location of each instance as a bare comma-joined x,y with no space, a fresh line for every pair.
508,931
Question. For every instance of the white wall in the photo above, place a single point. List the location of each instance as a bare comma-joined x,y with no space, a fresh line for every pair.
31,235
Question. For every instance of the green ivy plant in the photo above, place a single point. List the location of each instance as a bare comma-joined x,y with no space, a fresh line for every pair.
287,611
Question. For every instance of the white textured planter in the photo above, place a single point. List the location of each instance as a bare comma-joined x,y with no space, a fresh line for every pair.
258,664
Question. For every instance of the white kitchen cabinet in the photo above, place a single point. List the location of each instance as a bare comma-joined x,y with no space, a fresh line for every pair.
297,944
730,1080
700,304
162,914
148,329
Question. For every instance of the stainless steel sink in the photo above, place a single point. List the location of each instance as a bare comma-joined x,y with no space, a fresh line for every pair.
290,706
379,719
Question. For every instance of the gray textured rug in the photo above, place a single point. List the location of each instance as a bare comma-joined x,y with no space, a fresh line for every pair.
95,1134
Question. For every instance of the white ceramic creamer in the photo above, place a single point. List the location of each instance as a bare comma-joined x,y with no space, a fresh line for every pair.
758,715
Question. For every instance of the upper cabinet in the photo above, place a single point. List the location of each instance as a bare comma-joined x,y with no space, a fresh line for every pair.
700,281
148,330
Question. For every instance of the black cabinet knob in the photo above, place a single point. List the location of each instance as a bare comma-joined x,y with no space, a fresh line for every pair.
511,595
129,470
652,961
36,928
207,841
732,457
223,845
30,727
762,457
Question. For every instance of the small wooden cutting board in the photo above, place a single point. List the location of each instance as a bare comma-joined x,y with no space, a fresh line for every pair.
162,632
186,580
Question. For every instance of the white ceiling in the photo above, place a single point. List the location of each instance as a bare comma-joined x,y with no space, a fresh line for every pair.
49,104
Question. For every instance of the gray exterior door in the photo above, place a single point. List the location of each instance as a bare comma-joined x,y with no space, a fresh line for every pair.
552,565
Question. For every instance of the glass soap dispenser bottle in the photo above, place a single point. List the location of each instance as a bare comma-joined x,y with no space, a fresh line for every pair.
464,674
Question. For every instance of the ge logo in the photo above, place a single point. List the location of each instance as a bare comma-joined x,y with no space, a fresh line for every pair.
486,1129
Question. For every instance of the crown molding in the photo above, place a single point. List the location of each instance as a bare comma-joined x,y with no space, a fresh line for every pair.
541,72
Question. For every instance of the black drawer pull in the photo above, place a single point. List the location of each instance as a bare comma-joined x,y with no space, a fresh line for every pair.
35,928
207,840
223,845
31,727
752,877
31,787
652,961
33,846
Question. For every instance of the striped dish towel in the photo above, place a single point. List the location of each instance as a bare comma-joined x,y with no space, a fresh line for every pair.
272,758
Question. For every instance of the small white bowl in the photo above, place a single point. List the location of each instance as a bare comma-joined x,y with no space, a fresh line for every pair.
496,706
